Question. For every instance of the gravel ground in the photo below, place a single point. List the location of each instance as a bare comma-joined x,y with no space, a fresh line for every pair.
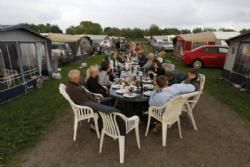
222,140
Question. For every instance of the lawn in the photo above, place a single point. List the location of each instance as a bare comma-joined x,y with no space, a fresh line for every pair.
220,89
24,120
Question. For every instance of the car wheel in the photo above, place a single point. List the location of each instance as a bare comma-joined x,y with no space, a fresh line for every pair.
197,64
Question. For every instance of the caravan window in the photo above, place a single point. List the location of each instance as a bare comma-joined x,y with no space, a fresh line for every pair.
242,61
29,61
10,71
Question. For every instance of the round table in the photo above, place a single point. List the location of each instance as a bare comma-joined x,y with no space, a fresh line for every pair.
131,106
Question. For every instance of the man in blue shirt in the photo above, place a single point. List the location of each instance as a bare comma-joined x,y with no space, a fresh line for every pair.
163,93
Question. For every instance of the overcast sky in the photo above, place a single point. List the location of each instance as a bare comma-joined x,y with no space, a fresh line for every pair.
129,13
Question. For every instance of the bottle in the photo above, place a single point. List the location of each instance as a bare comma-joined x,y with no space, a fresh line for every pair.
141,84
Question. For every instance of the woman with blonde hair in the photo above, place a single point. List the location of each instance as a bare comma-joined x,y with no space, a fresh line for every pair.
92,81
149,63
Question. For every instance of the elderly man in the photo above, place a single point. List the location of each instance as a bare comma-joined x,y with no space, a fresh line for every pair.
81,97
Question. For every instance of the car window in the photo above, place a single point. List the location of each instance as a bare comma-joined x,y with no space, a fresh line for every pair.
211,50
223,50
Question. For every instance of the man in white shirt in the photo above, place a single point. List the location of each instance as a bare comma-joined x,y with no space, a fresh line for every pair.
163,93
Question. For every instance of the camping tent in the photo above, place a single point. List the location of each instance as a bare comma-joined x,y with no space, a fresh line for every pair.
24,57
80,44
187,42
237,64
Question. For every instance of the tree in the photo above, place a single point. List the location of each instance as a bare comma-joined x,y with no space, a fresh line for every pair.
226,30
170,31
245,31
44,28
154,30
197,30
85,27
112,31
185,31
209,29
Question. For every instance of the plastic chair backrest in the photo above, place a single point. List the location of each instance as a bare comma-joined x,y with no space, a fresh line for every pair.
197,97
202,81
110,124
174,107
78,110
62,89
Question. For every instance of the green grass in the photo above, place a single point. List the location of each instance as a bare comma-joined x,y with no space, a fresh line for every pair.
24,120
220,89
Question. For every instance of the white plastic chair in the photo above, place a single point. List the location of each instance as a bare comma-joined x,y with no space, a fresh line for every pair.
168,114
99,96
111,128
80,112
192,101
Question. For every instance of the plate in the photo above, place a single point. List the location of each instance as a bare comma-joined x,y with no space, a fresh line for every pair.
131,95
148,86
148,93
116,86
148,81
121,91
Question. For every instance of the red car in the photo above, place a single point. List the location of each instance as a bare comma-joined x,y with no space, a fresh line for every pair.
206,56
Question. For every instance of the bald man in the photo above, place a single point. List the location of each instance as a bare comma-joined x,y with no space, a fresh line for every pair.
81,97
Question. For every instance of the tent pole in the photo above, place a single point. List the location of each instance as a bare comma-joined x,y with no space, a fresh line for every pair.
20,60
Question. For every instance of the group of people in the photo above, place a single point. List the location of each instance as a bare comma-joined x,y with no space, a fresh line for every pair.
99,79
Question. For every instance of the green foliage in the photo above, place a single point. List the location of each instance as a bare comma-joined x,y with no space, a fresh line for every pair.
245,31
44,28
199,29
24,120
185,31
226,30
154,30
85,27
170,31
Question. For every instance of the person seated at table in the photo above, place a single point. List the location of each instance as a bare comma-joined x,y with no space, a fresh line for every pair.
156,69
105,75
114,62
149,63
128,58
193,79
81,97
92,81
137,48
163,93
171,78
161,55
142,58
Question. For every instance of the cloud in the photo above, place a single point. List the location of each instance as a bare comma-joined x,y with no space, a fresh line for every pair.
129,13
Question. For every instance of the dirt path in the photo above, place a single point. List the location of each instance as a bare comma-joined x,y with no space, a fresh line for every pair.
223,140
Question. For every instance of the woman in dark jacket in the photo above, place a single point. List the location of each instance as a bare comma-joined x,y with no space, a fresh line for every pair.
156,69
93,81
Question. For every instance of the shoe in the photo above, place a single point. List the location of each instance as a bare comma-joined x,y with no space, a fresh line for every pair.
92,127
157,129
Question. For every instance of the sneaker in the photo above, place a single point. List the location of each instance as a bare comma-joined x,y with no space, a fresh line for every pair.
157,129
92,127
